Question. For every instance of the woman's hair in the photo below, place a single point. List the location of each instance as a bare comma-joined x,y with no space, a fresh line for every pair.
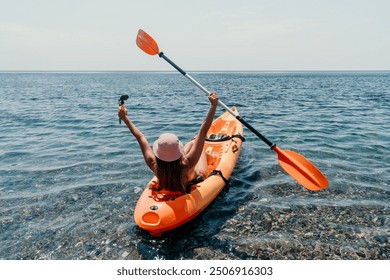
170,175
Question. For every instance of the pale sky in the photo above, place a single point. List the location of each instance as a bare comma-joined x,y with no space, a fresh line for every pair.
202,35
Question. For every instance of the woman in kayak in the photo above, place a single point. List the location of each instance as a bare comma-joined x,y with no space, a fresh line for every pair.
174,164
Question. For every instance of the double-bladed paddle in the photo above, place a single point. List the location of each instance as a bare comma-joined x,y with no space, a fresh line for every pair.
296,165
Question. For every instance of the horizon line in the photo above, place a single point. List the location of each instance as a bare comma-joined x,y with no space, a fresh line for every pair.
193,71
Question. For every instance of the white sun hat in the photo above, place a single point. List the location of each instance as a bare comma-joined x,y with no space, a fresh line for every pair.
168,147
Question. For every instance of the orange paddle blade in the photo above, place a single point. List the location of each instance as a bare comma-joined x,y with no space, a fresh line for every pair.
302,170
147,43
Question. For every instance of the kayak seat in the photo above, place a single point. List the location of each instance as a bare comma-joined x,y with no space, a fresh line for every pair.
171,196
194,181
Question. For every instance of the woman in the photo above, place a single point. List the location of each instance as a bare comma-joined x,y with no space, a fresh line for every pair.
173,164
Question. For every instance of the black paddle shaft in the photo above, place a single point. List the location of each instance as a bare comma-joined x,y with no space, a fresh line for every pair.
162,55
258,134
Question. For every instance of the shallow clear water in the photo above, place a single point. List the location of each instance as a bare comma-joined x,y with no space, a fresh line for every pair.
70,175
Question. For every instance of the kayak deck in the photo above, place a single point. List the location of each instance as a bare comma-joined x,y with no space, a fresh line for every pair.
158,211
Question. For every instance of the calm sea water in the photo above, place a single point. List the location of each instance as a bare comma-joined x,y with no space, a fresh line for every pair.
70,175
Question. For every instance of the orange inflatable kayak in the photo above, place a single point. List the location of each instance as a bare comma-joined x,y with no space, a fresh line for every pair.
160,211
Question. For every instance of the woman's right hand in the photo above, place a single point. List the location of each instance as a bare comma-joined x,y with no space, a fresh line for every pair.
213,98
122,113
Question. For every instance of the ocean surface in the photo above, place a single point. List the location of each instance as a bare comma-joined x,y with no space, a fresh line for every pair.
70,175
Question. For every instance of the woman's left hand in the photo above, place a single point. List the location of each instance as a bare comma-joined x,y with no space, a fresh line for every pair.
122,112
